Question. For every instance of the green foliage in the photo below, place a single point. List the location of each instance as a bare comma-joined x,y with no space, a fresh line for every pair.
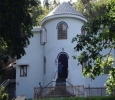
99,37
3,95
53,4
30,99
15,25
91,8
3,46
83,98
110,84
35,12
46,4
39,19
45,9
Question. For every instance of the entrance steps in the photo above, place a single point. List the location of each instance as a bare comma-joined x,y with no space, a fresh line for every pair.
61,82
60,90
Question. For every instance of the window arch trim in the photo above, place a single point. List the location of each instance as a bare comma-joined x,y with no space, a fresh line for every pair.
62,30
62,22
62,53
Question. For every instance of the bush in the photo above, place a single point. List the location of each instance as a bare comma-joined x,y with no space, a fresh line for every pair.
3,95
84,98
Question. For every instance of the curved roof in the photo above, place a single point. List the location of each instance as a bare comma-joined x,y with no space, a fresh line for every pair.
63,9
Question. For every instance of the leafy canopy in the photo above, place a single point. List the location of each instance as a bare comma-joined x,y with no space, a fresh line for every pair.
97,45
91,8
15,26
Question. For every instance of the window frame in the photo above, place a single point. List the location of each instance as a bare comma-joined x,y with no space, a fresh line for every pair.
44,65
23,70
64,36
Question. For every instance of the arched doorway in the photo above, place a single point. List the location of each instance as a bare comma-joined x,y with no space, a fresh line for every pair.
63,58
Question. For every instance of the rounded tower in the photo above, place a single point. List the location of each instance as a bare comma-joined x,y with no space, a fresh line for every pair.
61,25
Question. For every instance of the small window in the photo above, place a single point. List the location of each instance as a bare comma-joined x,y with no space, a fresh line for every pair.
44,65
23,70
62,30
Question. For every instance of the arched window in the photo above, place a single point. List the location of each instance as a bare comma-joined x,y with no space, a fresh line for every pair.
62,30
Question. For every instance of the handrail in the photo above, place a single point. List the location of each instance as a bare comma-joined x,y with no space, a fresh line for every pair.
69,83
41,91
51,85
6,82
55,81
46,87
55,74
55,77
73,86
12,80
3,82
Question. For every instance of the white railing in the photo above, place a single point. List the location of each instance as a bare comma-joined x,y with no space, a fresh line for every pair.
55,78
56,74
6,82
58,92
68,79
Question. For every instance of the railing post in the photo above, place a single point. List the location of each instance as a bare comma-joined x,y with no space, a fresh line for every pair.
101,91
35,93
75,90
65,91
89,90
83,90
78,89
50,92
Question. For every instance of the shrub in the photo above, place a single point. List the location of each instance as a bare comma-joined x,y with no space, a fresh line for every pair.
3,95
84,98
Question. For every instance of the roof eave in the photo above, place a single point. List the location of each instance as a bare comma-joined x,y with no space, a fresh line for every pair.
36,29
63,15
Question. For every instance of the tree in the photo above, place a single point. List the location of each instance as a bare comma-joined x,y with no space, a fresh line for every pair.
15,30
45,12
35,12
91,8
3,95
53,4
46,4
99,36
15,25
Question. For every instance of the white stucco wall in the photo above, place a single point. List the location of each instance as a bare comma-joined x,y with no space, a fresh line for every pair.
36,52
54,46
33,57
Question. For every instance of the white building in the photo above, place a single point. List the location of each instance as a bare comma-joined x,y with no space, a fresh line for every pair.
50,44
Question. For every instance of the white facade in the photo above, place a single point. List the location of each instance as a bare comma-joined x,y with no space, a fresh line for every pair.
51,49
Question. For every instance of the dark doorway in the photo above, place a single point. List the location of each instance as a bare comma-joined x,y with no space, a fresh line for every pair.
63,58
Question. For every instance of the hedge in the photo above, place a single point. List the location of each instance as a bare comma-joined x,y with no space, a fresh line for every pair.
82,98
